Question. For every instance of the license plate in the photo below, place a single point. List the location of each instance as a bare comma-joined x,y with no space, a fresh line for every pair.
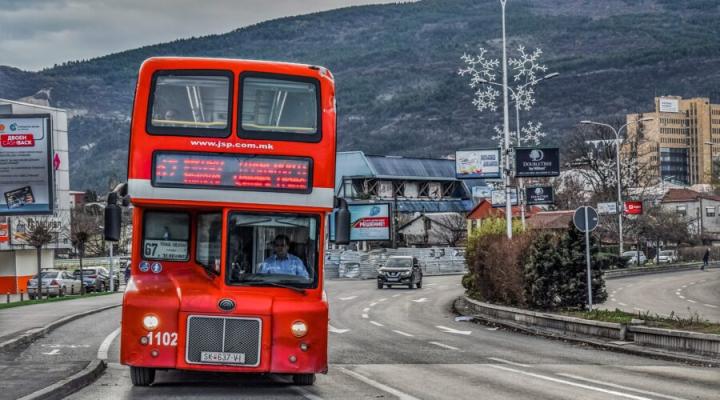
392,278
218,357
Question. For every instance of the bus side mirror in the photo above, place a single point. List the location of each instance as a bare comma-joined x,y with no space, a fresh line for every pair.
113,215
342,223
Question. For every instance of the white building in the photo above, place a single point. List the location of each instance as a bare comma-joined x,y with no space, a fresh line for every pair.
18,262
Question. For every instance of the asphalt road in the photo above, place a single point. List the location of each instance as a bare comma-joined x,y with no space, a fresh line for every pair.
406,344
685,293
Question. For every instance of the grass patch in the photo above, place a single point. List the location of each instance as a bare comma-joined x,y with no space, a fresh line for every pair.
51,300
694,323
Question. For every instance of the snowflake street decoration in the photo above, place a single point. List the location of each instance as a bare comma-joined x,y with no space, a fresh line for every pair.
500,136
481,71
532,133
485,98
526,67
524,97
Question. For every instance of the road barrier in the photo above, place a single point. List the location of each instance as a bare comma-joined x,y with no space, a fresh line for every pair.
694,343
654,269
364,265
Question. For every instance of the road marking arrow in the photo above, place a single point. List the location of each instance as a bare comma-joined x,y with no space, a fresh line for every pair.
336,330
451,330
421,300
53,352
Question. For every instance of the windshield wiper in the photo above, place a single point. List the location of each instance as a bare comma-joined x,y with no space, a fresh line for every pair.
264,283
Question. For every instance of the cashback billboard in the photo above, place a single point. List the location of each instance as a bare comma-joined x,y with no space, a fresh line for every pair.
484,163
26,174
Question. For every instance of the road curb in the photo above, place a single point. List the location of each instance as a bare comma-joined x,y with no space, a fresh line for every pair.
31,335
623,348
69,385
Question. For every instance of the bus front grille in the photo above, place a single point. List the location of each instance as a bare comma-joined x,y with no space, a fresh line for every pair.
225,338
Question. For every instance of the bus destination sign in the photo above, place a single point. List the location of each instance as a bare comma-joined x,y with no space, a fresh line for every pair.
232,171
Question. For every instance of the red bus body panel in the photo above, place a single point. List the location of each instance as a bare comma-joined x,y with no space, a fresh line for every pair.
184,288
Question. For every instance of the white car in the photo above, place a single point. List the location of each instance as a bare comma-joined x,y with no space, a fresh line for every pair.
667,256
54,283
632,257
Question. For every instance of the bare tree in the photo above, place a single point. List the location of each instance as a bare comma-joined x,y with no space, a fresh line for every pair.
451,229
85,232
41,231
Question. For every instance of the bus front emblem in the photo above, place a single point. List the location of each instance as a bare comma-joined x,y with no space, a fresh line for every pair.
226,305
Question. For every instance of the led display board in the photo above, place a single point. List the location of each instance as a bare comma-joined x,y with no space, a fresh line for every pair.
232,171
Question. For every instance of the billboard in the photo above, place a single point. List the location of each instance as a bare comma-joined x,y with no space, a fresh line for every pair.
607,208
498,197
484,163
26,172
22,228
633,207
539,195
537,162
368,221
669,105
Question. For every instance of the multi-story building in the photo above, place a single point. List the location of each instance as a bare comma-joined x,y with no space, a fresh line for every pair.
679,143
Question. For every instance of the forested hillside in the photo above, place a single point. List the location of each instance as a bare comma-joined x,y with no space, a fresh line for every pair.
396,70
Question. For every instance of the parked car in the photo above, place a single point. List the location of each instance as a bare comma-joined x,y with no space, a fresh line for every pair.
632,257
667,256
96,279
54,283
400,270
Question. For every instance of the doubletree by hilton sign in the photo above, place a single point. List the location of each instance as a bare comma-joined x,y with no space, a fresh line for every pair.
537,162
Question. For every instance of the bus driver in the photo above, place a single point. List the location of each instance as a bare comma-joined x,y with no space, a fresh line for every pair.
283,262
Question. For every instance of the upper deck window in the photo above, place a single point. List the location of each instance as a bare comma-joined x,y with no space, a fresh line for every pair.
190,103
278,107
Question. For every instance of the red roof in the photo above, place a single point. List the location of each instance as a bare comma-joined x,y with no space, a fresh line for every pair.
485,209
686,195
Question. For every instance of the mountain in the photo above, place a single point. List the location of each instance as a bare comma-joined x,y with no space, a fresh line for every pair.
396,69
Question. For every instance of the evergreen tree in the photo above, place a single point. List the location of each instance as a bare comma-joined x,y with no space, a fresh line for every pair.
573,287
542,272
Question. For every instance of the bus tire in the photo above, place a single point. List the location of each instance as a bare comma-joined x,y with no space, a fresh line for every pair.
142,376
304,379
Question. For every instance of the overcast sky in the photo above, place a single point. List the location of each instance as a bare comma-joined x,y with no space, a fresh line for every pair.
35,34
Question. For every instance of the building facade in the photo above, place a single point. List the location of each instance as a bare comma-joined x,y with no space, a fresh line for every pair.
679,143
701,211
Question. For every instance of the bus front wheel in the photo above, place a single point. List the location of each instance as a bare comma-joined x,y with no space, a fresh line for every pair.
304,379
142,376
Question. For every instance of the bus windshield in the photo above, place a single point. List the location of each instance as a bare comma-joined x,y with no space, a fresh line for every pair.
267,249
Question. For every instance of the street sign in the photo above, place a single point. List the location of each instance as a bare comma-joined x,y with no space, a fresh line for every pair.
633,207
583,222
607,208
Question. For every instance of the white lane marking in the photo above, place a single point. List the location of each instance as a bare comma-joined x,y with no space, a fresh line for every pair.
306,394
381,300
376,323
336,330
373,304
53,352
622,304
710,305
396,295
451,330
348,298
682,297
580,378
613,300
492,329
431,284
366,309
564,382
385,388
102,353
684,286
365,316
69,346
692,301
403,333
422,300
444,345
508,362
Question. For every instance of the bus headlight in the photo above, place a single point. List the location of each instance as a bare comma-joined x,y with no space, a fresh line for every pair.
150,322
299,329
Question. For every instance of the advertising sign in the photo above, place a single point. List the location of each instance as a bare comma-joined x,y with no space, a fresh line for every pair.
607,208
669,105
23,227
498,197
26,175
539,195
482,192
369,221
633,207
537,162
483,164
4,230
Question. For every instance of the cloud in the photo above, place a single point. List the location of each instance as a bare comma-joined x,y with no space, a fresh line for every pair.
39,33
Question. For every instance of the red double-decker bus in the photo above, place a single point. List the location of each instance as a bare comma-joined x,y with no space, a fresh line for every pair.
231,173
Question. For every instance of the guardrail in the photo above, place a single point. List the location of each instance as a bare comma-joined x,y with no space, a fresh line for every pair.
653,269
702,344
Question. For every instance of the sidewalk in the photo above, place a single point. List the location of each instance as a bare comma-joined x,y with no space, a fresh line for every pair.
17,320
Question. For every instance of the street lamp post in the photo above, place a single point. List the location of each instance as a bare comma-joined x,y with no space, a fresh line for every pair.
515,95
617,164
506,129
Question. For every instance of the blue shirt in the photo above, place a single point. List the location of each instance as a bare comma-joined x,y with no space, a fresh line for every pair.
290,265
